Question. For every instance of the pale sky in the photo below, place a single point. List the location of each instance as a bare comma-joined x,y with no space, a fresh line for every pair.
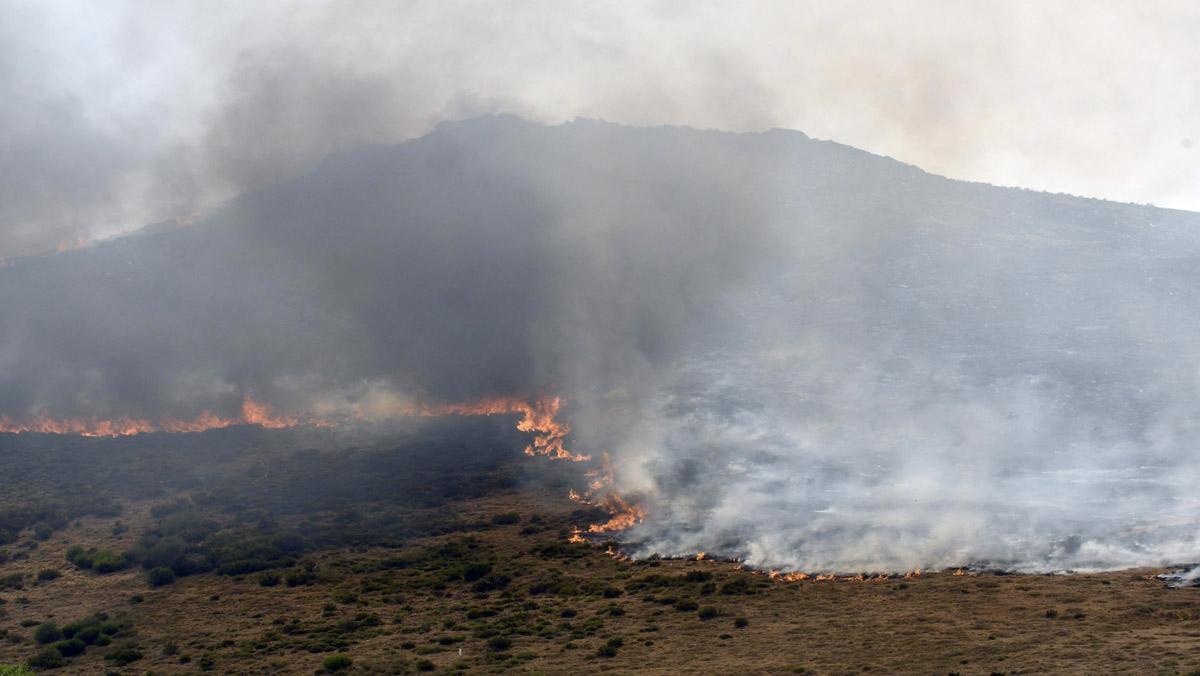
117,114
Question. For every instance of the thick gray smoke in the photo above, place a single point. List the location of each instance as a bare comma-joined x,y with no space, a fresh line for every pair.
797,353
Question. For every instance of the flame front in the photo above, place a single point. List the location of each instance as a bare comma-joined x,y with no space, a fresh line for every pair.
252,413
538,418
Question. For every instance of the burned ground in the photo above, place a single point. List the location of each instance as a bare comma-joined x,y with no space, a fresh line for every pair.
302,551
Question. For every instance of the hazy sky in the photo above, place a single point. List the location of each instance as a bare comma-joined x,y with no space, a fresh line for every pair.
116,114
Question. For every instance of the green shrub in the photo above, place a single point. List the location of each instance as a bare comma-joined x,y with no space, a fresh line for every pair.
160,576
686,605
12,581
100,560
708,613
48,658
269,579
47,574
476,571
426,665
337,662
47,632
15,670
499,643
70,647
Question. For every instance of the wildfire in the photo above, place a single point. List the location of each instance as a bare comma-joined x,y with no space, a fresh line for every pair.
538,418
624,513
252,413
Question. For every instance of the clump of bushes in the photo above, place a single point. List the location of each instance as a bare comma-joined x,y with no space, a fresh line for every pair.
160,576
499,643
48,574
70,647
337,662
124,655
47,632
100,560
48,658
12,581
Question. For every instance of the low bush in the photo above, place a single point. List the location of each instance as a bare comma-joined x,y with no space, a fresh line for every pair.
100,560
686,605
70,647
161,576
48,574
47,632
48,658
708,613
499,643
337,662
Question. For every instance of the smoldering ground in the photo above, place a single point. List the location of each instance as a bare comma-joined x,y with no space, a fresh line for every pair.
796,353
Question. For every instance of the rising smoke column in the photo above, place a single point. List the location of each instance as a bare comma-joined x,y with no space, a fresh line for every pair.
792,352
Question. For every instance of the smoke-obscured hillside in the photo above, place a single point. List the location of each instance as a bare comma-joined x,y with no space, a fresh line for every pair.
796,353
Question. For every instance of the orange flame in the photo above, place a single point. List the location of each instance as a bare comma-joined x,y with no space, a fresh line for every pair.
538,418
252,413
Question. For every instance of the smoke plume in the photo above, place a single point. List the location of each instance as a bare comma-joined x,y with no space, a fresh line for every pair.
794,353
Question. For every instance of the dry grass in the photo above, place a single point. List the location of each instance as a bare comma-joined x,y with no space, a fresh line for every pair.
938,623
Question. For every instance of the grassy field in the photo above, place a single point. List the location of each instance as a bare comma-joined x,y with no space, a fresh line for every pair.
474,573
